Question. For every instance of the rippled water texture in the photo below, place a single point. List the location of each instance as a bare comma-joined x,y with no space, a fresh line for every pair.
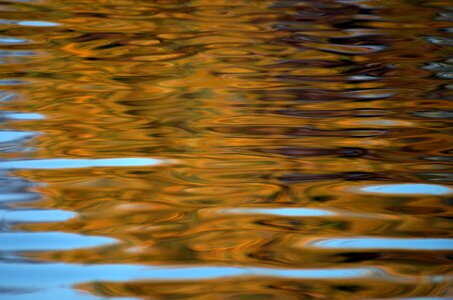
237,150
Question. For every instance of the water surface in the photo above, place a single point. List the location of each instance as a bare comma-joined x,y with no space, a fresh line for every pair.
237,150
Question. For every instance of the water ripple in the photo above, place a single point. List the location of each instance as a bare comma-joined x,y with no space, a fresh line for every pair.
384,243
406,189
78,163
270,149
42,241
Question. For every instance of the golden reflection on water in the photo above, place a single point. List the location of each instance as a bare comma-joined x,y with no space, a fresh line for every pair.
296,149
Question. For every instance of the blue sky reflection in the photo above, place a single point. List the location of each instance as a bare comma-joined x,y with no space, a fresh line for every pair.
36,215
384,243
60,163
407,189
42,241
65,274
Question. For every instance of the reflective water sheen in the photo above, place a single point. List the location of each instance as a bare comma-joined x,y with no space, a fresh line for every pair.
237,150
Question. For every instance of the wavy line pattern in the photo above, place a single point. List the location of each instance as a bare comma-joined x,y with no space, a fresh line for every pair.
199,150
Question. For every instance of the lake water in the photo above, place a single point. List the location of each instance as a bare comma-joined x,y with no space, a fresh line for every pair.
226,150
